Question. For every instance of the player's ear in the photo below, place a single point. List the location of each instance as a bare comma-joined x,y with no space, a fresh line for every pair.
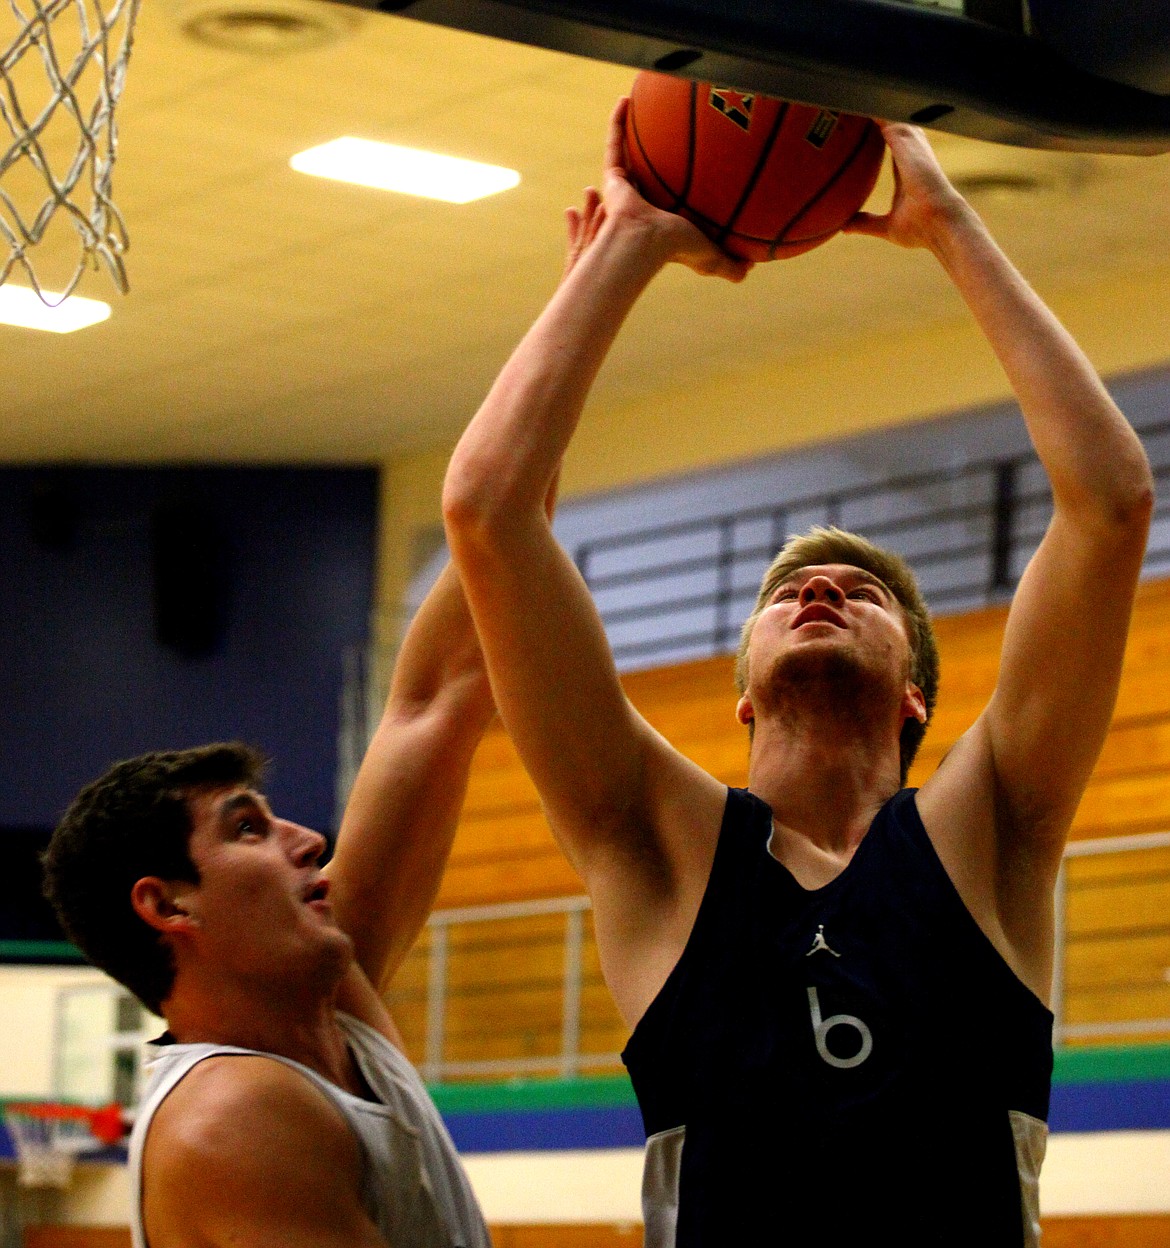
914,703
158,903
744,711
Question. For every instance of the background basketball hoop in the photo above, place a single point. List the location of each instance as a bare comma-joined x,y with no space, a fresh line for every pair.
49,1137
63,72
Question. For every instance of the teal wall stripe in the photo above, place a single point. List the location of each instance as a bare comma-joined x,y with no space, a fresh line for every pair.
1097,1064
34,949
593,1092
1112,1064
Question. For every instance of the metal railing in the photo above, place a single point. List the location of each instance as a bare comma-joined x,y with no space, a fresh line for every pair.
571,1060
684,588
1069,940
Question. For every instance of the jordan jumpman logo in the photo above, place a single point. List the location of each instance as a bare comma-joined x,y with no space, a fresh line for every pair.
821,944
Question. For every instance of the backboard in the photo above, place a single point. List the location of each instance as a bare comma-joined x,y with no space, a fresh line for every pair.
1098,81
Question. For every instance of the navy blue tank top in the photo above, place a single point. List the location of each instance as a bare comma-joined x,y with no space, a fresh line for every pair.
845,1065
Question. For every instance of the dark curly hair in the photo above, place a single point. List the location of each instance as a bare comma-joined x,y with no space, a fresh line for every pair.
133,822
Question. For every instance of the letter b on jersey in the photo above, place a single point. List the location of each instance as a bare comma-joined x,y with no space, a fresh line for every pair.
822,1027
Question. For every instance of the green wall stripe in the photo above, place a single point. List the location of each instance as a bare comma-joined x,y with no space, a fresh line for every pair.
594,1092
40,949
1103,1064
1112,1063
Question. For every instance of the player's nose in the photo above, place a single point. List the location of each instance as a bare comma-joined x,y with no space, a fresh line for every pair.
821,589
305,845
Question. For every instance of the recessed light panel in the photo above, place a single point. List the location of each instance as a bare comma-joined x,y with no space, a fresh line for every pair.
24,307
387,167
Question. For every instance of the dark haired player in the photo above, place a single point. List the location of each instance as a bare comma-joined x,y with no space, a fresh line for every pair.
283,1111
837,985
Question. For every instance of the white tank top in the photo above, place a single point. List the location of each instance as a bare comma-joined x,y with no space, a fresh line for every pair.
413,1185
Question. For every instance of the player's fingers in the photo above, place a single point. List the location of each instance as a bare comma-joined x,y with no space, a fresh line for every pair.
713,261
730,268
875,224
615,145
900,130
591,206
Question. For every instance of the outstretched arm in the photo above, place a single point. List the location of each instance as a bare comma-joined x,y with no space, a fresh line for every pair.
620,801
400,820
1027,759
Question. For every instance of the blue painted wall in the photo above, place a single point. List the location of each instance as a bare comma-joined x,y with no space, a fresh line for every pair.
83,680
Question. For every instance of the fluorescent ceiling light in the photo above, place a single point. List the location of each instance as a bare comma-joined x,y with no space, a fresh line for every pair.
390,168
24,307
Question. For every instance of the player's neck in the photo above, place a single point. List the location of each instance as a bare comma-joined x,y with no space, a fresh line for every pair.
824,781
300,1026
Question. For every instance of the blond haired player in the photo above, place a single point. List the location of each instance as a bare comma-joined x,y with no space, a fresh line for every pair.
837,986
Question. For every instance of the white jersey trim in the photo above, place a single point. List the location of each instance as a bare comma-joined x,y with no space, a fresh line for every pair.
660,1184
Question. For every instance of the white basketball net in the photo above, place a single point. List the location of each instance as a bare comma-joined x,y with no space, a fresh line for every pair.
62,75
47,1144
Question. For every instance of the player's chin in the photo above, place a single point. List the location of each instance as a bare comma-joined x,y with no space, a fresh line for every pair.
336,951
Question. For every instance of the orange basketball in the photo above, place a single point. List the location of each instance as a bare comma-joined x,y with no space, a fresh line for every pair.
763,178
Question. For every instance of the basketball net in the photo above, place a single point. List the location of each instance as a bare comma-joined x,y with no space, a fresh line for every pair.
62,75
49,1138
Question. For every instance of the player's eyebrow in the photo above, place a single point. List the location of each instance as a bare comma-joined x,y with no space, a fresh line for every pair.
868,578
239,801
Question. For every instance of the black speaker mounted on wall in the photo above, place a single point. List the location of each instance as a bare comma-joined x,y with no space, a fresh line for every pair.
189,562
52,511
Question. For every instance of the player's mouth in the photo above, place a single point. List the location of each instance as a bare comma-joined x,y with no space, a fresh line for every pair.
317,896
817,613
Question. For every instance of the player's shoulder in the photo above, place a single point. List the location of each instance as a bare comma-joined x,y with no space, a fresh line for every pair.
225,1103
227,1154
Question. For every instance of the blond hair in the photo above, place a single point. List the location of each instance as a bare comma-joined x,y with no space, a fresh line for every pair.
833,545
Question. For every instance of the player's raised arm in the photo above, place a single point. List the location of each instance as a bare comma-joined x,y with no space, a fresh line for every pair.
600,770
401,816
1031,753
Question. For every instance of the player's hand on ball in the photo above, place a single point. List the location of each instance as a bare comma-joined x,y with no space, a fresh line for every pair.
924,200
679,239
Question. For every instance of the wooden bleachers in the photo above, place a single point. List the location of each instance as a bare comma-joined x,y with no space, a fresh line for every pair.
1118,917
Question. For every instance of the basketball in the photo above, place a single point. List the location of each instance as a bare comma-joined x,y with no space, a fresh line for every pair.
763,178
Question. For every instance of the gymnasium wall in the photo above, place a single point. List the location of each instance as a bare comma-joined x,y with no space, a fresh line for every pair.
287,555
886,377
